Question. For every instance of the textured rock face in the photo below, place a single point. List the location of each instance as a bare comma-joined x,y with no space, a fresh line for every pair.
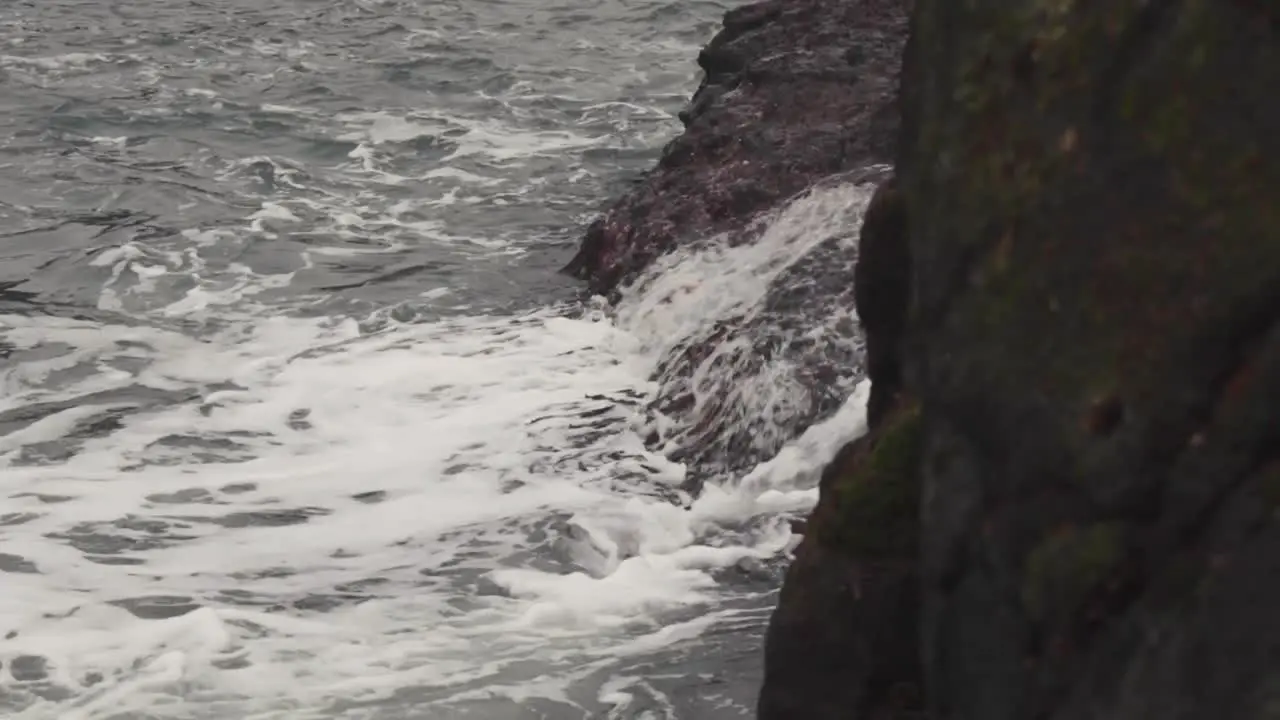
797,96
1080,478
793,91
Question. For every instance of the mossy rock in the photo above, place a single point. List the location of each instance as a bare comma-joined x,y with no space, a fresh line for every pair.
871,502
1070,564
1053,103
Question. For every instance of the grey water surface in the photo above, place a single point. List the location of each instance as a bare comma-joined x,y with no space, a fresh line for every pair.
166,164
149,120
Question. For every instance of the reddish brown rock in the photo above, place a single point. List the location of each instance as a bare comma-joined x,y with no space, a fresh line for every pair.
794,91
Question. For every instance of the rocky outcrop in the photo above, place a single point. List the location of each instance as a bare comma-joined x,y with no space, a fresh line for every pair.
1068,507
797,95
793,91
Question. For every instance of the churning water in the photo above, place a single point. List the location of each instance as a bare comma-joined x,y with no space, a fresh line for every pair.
298,421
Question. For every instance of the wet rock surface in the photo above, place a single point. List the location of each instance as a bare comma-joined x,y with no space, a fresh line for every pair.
793,91
1078,476
797,98
730,395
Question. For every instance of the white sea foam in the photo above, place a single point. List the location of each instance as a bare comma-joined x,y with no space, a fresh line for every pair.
218,509
312,463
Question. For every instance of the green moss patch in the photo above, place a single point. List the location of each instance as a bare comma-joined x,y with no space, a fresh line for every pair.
1069,565
873,511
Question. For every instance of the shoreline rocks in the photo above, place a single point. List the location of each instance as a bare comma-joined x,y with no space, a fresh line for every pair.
1067,506
794,91
797,99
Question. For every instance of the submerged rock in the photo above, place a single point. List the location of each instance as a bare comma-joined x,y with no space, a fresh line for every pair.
1079,478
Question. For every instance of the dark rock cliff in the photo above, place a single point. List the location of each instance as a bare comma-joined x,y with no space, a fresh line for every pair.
1068,505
